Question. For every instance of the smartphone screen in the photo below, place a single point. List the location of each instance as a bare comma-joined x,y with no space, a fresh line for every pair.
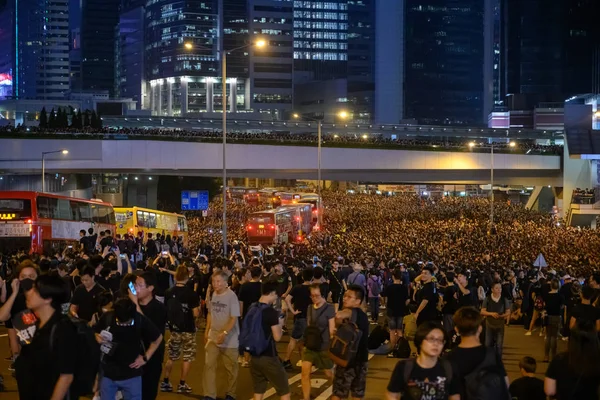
70,247
122,256
132,288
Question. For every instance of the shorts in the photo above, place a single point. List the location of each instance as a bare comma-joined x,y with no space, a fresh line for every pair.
278,304
319,359
395,323
299,328
350,380
268,369
182,342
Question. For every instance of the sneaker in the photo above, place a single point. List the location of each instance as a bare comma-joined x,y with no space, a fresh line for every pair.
11,367
565,339
390,355
166,386
245,364
541,333
528,333
184,388
287,364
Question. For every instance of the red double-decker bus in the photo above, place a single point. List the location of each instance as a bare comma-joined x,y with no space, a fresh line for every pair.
45,223
291,223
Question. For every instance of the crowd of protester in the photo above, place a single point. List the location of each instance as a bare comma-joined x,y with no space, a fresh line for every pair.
309,138
446,282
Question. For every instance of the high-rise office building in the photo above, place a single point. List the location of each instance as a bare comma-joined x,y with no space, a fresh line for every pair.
34,49
98,21
552,48
271,68
434,61
130,56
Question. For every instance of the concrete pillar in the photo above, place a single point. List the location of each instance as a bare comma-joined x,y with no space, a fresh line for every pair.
184,96
159,99
151,99
210,90
233,96
170,98
247,98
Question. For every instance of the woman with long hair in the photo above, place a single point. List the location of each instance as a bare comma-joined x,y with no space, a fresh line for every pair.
575,374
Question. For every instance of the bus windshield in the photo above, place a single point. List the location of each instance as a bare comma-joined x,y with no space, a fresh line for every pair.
15,209
261,219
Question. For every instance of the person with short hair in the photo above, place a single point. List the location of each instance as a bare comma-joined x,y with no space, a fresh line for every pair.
46,366
496,309
322,315
470,353
429,376
84,303
352,380
427,297
266,368
527,387
183,338
298,302
221,337
397,306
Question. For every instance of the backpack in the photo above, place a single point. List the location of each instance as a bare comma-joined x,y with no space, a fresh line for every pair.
539,303
484,382
313,334
344,345
175,314
87,353
375,287
402,348
415,392
252,338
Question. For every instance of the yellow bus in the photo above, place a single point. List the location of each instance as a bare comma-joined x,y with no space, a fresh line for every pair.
132,220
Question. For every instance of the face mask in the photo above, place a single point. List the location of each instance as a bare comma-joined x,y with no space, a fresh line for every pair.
26,285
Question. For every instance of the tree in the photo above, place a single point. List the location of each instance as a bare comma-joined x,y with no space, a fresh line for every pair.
94,120
52,119
86,119
79,119
59,118
98,122
43,118
65,119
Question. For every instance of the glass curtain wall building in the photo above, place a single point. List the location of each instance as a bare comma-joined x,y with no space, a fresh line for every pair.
34,49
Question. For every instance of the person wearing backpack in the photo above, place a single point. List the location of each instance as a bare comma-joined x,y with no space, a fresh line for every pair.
478,369
46,367
183,308
374,288
321,326
351,378
262,328
427,377
122,334
495,309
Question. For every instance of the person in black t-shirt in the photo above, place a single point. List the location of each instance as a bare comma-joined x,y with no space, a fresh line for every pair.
250,291
467,295
470,353
450,303
527,387
121,332
585,311
428,377
83,303
298,301
83,240
183,338
335,279
266,368
575,374
397,306
427,297
45,369
156,312
353,378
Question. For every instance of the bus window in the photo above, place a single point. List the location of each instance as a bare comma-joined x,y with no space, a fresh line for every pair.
20,207
151,220
47,207
104,215
121,217
141,221
80,211
181,224
64,210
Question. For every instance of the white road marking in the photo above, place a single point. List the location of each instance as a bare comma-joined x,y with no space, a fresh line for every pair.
291,381
6,334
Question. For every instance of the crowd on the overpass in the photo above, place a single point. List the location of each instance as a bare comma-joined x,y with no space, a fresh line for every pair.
431,260
438,143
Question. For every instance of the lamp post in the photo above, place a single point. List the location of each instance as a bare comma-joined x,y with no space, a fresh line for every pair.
510,144
190,46
341,114
63,151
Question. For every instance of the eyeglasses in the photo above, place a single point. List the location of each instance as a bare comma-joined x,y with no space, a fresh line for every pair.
315,296
434,340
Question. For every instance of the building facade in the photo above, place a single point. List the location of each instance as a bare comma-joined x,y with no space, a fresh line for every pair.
129,57
440,64
34,49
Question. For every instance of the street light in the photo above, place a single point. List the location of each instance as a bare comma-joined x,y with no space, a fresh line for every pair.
63,151
341,114
510,144
261,43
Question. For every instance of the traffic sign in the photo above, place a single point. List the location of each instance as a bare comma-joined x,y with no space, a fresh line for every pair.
194,200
